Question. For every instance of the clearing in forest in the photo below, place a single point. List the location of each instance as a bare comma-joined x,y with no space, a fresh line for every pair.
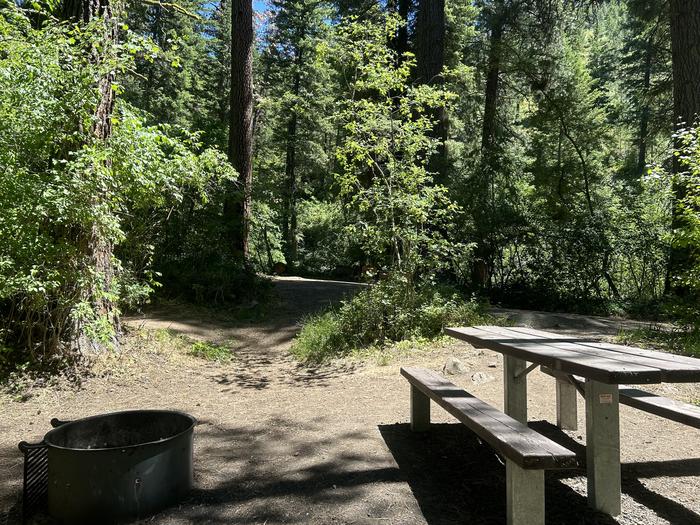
280,442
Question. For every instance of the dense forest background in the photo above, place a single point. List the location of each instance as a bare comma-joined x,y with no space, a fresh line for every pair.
535,153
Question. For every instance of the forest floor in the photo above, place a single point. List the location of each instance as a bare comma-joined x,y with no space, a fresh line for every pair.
280,442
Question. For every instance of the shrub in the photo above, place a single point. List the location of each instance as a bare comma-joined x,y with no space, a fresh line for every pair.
387,312
684,341
52,169
323,247
686,234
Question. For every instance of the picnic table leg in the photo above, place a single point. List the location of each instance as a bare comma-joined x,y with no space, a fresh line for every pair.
567,410
515,388
603,447
524,495
420,410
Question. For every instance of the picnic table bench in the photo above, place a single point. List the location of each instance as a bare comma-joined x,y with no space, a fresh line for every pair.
601,367
527,453
664,407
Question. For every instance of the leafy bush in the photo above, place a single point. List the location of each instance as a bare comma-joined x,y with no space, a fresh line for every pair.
323,247
399,215
265,238
686,238
52,171
677,340
387,312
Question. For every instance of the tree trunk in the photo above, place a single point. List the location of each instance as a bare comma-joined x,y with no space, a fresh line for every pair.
493,74
96,248
400,42
86,10
237,208
685,49
483,256
290,211
430,61
685,46
644,117
150,78
430,41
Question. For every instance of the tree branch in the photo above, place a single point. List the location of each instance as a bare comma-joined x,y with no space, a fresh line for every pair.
174,7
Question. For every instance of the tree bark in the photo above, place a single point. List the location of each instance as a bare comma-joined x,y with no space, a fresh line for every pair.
483,256
237,208
97,249
400,42
644,117
491,92
430,41
430,61
86,11
685,50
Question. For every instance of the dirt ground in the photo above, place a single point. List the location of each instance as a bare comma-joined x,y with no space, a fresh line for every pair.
278,442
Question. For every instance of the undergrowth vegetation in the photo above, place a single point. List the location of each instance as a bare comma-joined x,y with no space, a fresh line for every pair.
211,351
147,177
684,341
384,314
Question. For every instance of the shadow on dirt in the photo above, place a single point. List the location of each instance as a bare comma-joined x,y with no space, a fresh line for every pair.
278,473
457,479
274,475
283,473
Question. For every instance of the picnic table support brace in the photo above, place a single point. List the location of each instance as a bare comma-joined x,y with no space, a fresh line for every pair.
603,447
420,411
515,388
567,409
525,372
524,495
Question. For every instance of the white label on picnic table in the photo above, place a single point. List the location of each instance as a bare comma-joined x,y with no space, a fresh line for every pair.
605,399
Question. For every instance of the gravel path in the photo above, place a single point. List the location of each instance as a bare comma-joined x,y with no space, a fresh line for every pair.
278,442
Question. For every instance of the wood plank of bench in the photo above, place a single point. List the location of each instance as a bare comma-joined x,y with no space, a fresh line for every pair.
514,440
661,406
665,407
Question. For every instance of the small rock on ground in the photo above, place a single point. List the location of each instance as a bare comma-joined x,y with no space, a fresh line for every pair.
454,367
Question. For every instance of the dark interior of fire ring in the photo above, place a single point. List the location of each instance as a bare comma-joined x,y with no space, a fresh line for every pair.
119,430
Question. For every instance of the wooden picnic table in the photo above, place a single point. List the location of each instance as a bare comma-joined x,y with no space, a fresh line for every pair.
604,366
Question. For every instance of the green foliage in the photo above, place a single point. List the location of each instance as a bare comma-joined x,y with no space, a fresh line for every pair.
399,215
562,213
686,235
46,102
387,312
52,169
170,80
684,341
324,249
294,138
266,242
567,220
211,352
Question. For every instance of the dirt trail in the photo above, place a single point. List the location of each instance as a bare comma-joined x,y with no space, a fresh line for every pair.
279,442
261,347
574,324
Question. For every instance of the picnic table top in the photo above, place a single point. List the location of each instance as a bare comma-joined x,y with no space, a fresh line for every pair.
605,362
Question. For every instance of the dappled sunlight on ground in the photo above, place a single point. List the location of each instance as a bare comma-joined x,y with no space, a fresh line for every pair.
281,442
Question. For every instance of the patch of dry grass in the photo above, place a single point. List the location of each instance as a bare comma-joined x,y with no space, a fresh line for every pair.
140,350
